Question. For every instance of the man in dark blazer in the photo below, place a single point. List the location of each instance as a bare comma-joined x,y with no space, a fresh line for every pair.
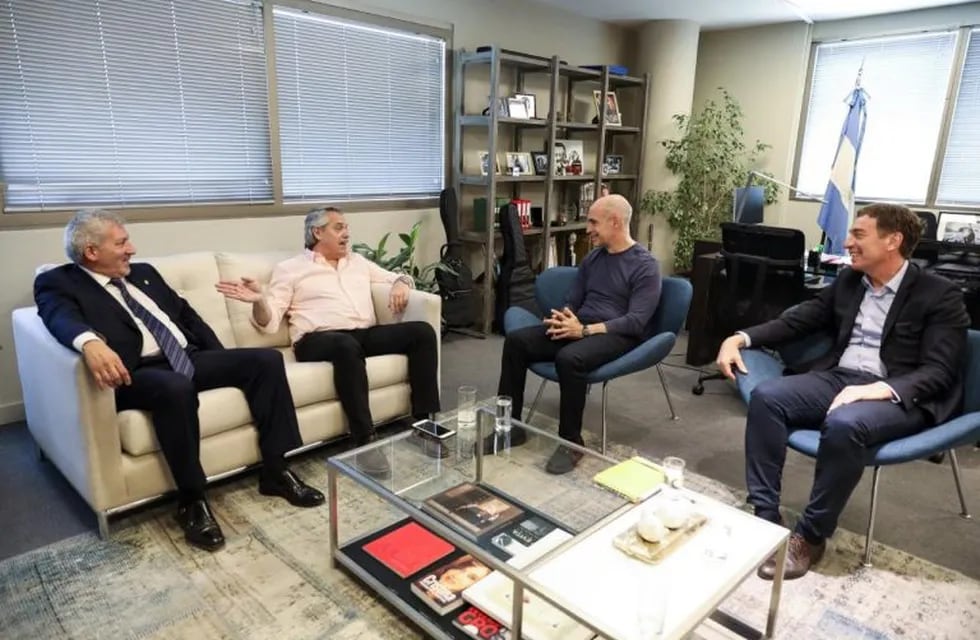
140,338
899,339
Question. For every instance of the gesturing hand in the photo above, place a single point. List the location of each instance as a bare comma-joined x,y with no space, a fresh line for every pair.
398,299
563,325
248,290
106,366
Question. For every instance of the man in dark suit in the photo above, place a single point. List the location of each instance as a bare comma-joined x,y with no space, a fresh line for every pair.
140,338
899,339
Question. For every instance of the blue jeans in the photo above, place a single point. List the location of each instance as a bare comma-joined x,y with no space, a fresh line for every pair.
780,405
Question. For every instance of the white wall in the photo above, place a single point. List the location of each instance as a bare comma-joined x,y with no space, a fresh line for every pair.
512,24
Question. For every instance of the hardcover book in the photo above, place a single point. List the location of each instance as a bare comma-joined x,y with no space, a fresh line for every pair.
408,549
477,624
519,536
473,508
635,479
442,588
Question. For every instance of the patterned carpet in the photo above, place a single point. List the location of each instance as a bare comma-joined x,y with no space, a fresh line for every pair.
273,580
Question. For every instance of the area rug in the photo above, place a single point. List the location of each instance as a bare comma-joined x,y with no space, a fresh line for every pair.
273,580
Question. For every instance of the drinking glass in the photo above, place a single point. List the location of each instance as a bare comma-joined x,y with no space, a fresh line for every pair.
503,404
674,471
465,421
651,604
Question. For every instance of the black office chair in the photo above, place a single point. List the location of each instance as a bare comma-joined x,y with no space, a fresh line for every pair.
763,275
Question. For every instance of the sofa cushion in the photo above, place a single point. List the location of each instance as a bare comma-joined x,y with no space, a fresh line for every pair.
312,382
233,267
220,410
193,276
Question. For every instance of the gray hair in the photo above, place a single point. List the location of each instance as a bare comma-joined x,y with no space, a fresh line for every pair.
314,220
87,227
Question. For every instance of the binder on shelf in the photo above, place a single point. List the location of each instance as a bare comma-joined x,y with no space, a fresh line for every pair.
480,213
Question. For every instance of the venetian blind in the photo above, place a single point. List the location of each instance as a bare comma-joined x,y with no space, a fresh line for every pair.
361,109
959,183
114,103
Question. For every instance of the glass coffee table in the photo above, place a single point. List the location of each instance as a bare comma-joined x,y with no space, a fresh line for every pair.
548,539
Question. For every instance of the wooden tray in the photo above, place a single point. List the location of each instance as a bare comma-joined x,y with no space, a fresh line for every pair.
630,542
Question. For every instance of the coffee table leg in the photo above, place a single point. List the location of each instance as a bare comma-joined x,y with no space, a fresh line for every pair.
517,612
332,492
777,587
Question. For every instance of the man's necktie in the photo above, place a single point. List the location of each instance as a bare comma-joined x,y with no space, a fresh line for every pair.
175,354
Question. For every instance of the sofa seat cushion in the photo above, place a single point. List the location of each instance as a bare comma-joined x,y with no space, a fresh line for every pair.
220,410
312,382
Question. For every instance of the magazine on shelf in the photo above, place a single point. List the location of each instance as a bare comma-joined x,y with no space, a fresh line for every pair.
408,549
474,508
442,588
518,537
477,624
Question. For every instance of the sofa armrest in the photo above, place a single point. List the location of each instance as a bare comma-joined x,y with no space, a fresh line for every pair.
422,306
70,418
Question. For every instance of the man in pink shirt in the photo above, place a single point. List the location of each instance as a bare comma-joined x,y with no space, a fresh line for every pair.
325,292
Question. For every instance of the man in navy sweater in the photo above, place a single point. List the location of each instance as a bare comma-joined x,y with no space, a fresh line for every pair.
609,311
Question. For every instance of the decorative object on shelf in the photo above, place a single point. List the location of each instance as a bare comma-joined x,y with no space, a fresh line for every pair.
485,164
712,159
568,157
572,237
502,107
611,105
517,108
518,163
586,198
529,104
614,69
612,164
540,159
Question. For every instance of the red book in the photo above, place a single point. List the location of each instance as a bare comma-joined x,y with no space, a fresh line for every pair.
408,549
479,625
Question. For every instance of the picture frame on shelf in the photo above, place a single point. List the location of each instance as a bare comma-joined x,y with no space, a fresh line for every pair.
485,164
517,108
540,159
609,106
569,158
612,164
519,163
529,104
501,107
959,228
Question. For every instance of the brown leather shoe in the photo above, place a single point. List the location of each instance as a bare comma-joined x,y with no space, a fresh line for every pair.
800,556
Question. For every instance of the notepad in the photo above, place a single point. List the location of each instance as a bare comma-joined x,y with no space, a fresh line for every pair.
635,479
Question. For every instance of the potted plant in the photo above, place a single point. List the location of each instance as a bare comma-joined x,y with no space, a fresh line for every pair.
404,260
712,159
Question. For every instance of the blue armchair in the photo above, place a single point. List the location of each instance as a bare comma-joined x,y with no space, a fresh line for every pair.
964,429
550,289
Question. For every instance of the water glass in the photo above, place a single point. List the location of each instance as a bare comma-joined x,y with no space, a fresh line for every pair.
651,605
718,540
465,421
674,471
503,406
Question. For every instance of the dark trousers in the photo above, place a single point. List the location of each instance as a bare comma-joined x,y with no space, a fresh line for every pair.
573,359
172,401
800,402
348,350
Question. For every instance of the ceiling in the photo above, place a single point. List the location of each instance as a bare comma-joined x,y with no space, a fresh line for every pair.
725,14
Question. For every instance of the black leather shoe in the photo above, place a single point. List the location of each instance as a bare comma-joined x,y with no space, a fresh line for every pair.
518,437
200,528
800,556
286,485
563,460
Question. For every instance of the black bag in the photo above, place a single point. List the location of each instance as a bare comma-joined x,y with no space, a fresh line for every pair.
456,280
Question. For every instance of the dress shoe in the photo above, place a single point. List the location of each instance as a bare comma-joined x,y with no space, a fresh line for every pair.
286,484
800,556
937,458
518,437
432,447
200,528
563,460
374,463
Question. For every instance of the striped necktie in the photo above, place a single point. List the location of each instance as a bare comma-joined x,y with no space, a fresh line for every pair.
175,354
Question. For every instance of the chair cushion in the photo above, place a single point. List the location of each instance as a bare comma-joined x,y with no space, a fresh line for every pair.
761,366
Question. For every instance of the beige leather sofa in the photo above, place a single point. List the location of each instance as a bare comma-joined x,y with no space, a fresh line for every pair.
113,459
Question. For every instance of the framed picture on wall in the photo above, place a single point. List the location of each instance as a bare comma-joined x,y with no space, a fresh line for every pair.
959,228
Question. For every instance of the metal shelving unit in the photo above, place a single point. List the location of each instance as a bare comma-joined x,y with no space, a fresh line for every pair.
564,83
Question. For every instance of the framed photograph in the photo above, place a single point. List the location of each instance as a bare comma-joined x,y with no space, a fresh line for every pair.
529,103
612,165
609,106
569,158
485,164
960,228
517,108
519,163
540,159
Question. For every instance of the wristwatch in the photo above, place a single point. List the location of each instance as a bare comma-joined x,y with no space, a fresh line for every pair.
585,331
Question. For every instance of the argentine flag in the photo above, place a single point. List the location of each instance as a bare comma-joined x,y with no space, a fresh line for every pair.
838,207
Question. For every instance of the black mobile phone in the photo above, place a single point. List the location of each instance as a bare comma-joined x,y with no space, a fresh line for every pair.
433,429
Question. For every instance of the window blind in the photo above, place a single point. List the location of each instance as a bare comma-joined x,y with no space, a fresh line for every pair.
361,109
114,103
906,78
959,183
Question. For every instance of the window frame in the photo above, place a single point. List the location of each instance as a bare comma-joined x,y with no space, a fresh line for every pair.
952,91
13,220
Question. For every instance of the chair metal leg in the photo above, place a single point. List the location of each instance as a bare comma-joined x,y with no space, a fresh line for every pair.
605,386
663,383
964,512
871,517
103,518
537,396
